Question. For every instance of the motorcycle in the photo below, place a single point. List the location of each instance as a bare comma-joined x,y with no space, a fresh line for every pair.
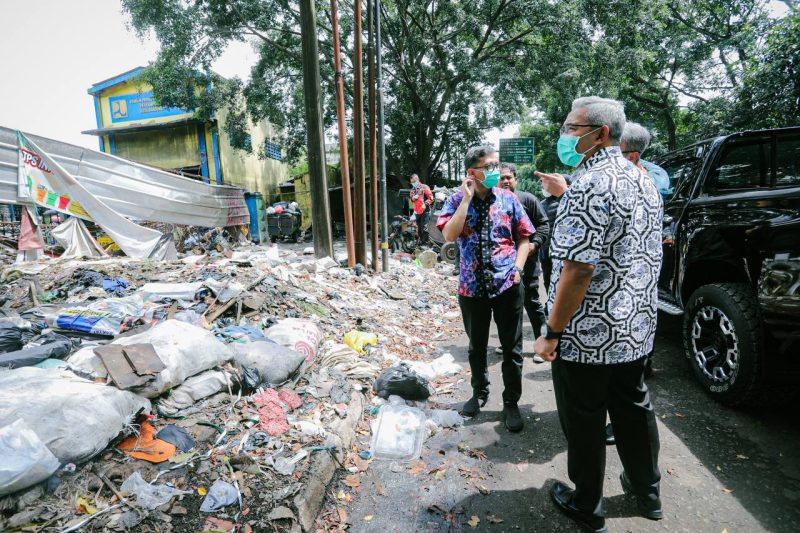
403,235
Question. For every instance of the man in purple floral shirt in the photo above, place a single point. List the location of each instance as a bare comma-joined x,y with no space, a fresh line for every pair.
492,232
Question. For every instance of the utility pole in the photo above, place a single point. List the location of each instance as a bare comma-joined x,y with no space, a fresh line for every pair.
359,194
373,143
381,141
320,212
344,163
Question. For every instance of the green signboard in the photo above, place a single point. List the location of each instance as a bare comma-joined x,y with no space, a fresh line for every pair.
518,150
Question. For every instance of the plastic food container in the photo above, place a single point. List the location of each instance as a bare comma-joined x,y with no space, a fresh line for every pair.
398,433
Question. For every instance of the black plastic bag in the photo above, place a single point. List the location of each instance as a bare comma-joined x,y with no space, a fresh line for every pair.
36,354
10,337
401,381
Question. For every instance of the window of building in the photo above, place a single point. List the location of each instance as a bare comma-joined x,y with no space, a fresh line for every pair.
273,151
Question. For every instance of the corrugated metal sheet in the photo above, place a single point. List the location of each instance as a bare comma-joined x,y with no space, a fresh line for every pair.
131,189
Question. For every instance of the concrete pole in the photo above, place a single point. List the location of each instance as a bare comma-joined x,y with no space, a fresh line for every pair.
320,207
373,144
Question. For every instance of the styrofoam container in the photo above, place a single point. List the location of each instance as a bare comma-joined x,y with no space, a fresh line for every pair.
398,433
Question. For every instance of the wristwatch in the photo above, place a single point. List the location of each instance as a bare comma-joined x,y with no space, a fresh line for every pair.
517,269
552,335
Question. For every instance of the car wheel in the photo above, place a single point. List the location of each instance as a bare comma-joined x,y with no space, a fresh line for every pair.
722,340
448,252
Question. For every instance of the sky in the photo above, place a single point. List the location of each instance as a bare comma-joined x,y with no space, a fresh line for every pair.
54,50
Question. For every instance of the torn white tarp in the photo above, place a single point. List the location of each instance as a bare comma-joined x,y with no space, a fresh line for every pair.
76,239
43,181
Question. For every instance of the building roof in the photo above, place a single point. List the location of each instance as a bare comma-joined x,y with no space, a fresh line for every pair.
116,80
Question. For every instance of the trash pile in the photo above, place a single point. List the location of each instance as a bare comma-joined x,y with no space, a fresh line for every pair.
197,394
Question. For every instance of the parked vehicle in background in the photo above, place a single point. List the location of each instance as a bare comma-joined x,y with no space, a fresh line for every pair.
447,250
732,261
403,235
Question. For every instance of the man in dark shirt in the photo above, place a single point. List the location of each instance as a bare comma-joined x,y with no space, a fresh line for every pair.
530,276
493,234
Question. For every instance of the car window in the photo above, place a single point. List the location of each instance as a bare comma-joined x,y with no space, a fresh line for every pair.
682,172
742,165
787,165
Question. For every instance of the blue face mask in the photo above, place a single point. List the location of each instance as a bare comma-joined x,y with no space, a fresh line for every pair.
566,149
491,179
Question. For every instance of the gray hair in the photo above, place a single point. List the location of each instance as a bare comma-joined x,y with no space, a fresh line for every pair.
413,176
603,111
510,166
636,137
475,154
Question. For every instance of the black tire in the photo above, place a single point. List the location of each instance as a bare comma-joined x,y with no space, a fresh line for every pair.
724,317
448,252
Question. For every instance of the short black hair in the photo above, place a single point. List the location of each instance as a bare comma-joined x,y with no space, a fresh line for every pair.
475,154
510,166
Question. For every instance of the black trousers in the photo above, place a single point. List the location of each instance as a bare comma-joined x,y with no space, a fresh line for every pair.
584,393
547,268
477,314
422,226
533,306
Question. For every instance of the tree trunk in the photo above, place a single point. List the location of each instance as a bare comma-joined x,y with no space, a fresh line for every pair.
672,142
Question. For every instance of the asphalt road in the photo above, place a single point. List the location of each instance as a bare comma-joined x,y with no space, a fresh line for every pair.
722,469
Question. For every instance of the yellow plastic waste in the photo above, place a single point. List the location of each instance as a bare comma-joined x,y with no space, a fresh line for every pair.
358,340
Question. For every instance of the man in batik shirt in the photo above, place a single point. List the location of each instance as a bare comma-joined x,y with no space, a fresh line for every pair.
492,232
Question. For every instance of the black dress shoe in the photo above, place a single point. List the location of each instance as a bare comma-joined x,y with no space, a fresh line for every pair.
562,497
610,440
513,417
650,509
473,406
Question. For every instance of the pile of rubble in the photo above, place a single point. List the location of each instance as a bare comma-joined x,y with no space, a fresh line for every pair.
209,393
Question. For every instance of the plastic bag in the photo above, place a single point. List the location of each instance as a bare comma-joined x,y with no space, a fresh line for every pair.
10,337
358,340
403,382
172,291
36,354
275,363
299,334
24,459
103,317
440,367
75,418
447,418
149,496
221,494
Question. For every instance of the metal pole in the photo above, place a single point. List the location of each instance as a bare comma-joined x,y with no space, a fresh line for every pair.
381,141
344,160
320,212
373,143
359,194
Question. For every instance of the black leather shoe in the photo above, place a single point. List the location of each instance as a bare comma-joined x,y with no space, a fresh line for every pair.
562,497
647,508
513,417
473,406
610,440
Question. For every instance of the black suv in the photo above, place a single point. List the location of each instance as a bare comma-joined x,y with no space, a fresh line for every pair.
732,260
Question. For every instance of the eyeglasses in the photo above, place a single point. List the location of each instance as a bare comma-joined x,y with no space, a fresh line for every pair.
488,167
506,177
630,151
572,127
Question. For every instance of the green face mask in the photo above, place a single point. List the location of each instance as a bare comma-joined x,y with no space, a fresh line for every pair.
566,149
491,179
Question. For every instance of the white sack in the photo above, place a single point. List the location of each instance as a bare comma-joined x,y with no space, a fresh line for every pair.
24,459
75,418
274,363
193,389
299,334
185,349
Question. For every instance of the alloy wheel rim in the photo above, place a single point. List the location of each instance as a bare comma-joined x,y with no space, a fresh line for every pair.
715,345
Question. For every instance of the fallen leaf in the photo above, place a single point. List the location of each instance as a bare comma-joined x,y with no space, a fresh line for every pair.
342,515
671,471
202,491
494,519
474,521
417,468
719,468
680,415
84,506
368,518
353,481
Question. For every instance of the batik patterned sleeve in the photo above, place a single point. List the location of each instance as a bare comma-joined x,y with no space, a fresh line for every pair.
521,223
583,219
448,210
